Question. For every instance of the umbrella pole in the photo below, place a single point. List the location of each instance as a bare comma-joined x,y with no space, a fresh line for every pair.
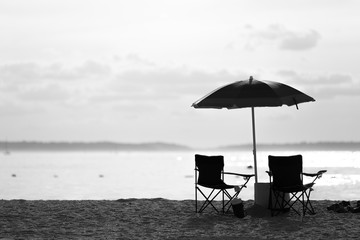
254,142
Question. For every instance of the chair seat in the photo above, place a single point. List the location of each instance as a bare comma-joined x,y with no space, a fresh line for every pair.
217,186
297,188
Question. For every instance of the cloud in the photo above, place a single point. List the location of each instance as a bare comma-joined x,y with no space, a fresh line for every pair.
283,38
324,85
169,84
31,72
52,84
324,79
136,59
19,72
94,83
296,41
57,85
92,69
10,109
48,93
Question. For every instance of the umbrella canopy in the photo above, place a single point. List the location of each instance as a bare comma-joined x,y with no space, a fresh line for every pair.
252,93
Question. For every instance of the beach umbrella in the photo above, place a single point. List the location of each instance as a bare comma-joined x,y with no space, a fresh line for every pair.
250,94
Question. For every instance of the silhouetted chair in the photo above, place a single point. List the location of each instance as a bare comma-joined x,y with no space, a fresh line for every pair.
211,175
286,184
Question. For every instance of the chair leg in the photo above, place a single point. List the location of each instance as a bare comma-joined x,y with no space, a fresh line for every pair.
210,198
208,201
299,197
278,205
229,201
282,204
196,187
223,206
293,200
308,204
270,203
303,204
304,199
196,198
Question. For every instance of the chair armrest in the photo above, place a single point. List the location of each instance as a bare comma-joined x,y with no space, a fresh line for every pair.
319,173
241,175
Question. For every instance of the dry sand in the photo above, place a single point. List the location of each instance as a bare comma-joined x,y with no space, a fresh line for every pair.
165,219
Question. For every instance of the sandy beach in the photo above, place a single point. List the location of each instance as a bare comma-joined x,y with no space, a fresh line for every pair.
165,219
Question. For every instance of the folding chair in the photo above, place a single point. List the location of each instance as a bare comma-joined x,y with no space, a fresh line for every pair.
286,184
209,174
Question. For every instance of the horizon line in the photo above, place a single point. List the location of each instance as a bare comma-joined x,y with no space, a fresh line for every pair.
158,145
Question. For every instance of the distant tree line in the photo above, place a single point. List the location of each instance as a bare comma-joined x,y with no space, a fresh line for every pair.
88,146
160,146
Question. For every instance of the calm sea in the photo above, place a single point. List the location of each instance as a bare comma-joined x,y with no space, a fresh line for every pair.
114,175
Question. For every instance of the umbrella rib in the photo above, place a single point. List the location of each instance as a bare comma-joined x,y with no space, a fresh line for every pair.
296,104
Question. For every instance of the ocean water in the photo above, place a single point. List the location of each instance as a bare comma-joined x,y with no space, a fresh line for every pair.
115,175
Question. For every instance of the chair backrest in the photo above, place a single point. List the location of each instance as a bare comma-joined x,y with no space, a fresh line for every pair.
210,168
286,170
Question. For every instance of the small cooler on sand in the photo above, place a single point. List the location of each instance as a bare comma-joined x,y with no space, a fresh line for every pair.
238,208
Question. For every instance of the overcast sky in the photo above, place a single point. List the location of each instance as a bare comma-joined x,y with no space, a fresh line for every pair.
128,71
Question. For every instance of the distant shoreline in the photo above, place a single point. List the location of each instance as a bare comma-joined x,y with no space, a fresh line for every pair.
90,146
160,146
315,146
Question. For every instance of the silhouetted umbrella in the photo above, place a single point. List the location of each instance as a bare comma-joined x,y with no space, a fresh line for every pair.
252,93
